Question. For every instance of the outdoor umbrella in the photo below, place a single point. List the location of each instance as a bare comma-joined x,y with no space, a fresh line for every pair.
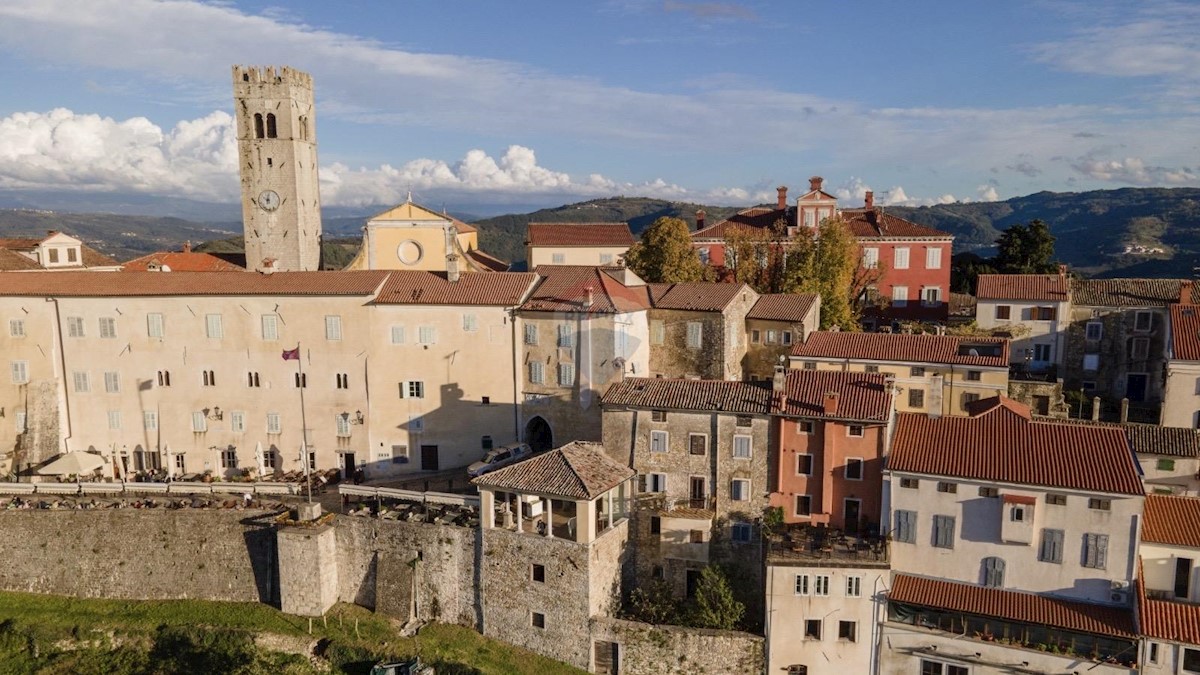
73,463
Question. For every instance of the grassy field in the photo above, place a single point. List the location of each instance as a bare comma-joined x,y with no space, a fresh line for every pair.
56,635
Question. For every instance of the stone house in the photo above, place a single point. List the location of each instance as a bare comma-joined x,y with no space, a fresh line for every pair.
938,374
1034,309
601,244
581,330
773,325
698,329
702,450
1169,588
553,536
1116,340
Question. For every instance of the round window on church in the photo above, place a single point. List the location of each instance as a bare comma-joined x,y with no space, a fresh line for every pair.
409,252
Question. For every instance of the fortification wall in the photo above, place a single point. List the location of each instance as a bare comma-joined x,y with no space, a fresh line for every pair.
647,649
140,553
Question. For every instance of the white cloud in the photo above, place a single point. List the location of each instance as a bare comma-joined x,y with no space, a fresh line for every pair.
1134,171
987,193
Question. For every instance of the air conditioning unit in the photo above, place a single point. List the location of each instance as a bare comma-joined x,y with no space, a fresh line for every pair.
1119,585
1121,597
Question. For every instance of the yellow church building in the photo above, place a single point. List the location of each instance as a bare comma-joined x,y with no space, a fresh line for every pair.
412,237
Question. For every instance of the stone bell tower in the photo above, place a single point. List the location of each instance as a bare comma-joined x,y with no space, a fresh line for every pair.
277,160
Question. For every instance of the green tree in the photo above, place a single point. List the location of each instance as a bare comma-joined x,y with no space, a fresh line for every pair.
825,261
714,605
665,253
1025,249
653,603
756,257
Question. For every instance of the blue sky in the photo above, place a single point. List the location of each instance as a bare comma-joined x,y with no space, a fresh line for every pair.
488,103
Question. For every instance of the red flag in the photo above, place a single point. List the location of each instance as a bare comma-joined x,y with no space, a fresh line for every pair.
291,354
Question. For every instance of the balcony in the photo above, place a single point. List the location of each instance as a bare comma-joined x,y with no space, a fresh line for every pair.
810,545
1023,372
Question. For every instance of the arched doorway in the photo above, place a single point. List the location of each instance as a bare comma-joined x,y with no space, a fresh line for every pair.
538,434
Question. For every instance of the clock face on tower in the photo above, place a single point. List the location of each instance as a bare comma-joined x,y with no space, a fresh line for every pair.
268,200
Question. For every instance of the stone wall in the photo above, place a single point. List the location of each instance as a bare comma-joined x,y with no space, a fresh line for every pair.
140,554
308,570
646,649
445,568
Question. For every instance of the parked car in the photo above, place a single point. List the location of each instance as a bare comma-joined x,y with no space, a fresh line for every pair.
498,457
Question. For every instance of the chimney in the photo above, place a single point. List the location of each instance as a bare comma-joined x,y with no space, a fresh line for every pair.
870,200
1062,270
814,183
781,202
268,266
779,381
1185,291
700,214
590,297
187,247
1095,408
452,272
831,401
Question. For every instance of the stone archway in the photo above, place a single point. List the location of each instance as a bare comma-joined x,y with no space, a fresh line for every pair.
538,434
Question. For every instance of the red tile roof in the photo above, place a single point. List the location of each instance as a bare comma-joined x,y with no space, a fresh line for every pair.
1151,439
577,470
1168,519
757,217
1166,620
878,224
1014,606
697,296
1004,445
81,284
11,261
1128,292
565,288
180,261
407,287
705,395
93,258
792,307
904,347
487,263
580,234
1185,332
861,396
1028,287
21,243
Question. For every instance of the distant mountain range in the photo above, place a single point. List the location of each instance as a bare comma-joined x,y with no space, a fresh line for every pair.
1149,232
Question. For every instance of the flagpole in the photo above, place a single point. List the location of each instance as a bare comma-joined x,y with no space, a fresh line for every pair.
303,423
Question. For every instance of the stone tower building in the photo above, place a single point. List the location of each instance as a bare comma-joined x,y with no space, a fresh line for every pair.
277,159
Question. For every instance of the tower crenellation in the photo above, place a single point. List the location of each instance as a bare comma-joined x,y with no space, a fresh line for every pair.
277,153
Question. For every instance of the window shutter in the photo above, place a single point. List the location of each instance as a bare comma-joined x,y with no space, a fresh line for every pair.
1101,551
397,335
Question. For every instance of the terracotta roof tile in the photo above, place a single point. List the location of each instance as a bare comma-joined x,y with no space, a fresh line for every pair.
707,395
565,288
904,347
487,263
756,217
1173,520
1014,606
1028,287
1126,292
81,284
791,307
20,243
179,261
861,396
407,287
1185,332
1166,620
577,470
878,224
698,296
1004,445
93,258
1151,439
11,261
580,234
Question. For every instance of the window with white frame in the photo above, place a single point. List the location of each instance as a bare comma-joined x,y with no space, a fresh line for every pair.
566,335
1094,331
470,323
412,389
274,423
566,374
270,327
740,533
416,423
899,296
199,421
658,441
1091,362
531,334
155,328
397,335
855,430
848,631
654,482
785,338
931,295
333,327
901,259
695,334
342,422
933,258
114,419
739,490
805,427
537,372
16,328
820,584
237,421
803,505
108,327
112,382
853,587
229,458
742,447
870,258
772,337
558,258
427,335
854,468
75,327
213,327
804,464
150,420
1142,321
801,585
20,372
82,383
